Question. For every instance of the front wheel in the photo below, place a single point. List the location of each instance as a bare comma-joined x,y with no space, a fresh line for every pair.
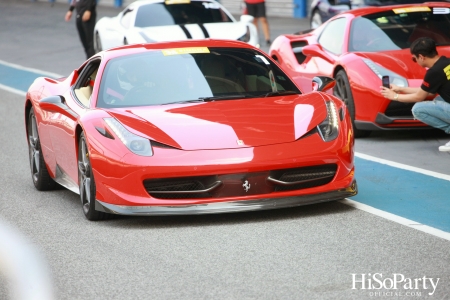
39,173
87,183
343,90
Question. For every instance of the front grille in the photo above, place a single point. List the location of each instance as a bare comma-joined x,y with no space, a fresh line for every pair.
399,109
240,184
180,188
307,177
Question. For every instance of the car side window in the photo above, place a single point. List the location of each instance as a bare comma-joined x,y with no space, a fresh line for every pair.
332,37
84,86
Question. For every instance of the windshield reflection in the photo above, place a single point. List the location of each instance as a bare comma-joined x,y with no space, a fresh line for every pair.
188,74
397,29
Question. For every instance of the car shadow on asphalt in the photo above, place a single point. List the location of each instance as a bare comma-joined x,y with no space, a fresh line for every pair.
406,135
264,216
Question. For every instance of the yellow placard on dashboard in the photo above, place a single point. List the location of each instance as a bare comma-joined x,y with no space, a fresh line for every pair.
168,2
411,9
178,51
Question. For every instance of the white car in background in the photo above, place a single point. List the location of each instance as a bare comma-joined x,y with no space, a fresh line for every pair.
149,21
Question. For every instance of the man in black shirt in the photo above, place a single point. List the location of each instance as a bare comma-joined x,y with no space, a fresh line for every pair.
86,15
435,113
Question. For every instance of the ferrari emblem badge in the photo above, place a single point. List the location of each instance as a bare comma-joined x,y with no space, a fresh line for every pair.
240,142
246,186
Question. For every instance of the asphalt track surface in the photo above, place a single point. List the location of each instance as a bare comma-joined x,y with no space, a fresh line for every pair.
307,252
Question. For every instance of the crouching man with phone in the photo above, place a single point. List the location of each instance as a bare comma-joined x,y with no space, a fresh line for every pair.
435,113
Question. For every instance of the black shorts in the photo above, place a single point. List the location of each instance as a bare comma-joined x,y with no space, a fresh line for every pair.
257,10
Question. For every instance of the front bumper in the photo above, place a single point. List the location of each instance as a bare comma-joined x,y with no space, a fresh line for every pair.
227,207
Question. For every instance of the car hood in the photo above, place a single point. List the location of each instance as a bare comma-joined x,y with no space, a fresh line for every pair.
226,30
226,124
398,61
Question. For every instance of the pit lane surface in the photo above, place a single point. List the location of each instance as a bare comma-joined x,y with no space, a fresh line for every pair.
308,252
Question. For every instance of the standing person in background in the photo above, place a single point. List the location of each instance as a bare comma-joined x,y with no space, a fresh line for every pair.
257,9
85,22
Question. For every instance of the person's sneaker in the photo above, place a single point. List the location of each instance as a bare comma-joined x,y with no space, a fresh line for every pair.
446,147
268,42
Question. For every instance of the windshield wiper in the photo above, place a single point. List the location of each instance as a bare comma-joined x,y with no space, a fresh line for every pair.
277,93
185,101
226,97
212,98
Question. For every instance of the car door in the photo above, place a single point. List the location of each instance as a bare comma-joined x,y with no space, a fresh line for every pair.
63,133
321,61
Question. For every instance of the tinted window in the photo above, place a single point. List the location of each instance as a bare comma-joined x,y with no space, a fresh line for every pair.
332,36
397,29
160,14
159,77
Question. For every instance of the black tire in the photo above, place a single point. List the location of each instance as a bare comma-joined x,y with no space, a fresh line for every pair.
316,19
343,91
87,183
98,43
39,173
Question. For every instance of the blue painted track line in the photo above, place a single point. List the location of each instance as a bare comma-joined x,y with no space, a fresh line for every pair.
418,197
20,78
415,196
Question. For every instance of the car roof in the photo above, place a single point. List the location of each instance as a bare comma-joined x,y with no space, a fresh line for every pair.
357,12
139,48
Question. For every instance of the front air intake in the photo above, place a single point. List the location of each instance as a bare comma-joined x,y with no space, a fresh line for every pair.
302,178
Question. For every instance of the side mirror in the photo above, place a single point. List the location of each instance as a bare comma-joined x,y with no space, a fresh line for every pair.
322,83
247,19
57,104
316,50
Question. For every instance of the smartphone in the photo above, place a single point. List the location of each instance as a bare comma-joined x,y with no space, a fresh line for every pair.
386,82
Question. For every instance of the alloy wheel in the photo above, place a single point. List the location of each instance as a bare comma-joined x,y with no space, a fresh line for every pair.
85,177
33,138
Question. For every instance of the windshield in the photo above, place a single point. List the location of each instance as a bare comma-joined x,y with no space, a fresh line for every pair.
162,14
190,74
397,29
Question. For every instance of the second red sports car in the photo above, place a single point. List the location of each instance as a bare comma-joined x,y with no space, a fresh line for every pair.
358,48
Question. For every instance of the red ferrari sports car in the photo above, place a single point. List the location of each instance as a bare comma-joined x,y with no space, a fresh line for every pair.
358,48
188,128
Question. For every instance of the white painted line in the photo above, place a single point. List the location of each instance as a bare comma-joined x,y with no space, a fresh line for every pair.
402,166
19,67
397,219
10,89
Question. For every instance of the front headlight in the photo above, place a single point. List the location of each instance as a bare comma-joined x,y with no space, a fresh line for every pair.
136,144
246,36
380,72
329,128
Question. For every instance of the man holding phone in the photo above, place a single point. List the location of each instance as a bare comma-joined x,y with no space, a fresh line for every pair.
435,113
